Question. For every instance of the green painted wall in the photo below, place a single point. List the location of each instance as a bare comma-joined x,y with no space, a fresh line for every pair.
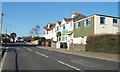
64,32
84,30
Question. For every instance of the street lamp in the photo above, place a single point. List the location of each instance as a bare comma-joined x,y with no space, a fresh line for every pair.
1,32
1,26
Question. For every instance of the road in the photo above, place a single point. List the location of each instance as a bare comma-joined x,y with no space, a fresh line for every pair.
24,57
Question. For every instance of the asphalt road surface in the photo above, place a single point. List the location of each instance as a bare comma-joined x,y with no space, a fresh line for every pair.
24,57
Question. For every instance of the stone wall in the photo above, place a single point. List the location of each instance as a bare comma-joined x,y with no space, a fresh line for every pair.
53,45
81,47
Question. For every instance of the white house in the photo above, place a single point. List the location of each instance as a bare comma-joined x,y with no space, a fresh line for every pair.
67,27
49,31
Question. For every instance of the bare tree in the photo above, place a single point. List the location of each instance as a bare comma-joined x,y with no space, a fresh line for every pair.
35,31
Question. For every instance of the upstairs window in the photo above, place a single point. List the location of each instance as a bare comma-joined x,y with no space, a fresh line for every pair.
115,22
64,27
78,25
87,22
102,20
57,28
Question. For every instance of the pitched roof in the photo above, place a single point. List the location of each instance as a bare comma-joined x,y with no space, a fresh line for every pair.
52,25
67,19
59,22
79,16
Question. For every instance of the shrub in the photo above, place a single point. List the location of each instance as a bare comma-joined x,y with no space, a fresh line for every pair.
103,43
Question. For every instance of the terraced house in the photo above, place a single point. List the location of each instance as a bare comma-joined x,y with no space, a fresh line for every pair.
75,30
49,31
65,28
94,24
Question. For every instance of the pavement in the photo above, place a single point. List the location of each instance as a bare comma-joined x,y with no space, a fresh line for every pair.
0,52
104,56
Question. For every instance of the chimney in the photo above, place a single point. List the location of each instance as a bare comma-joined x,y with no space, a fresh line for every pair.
74,14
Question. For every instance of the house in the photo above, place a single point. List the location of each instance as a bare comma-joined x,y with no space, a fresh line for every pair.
66,29
49,32
94,24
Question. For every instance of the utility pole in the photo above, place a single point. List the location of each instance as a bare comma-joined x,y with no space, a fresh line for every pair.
1,26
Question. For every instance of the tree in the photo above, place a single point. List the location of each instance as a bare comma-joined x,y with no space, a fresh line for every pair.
13,36
58,35
5,38
35,31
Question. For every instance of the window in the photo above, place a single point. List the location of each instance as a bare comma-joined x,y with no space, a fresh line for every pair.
114,20
66,38
78,25
87,22
102,20
62,38
115,23
64,27
57,28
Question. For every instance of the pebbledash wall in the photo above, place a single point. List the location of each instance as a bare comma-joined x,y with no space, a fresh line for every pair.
92,28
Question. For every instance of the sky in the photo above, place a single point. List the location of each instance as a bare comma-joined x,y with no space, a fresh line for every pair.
60,0
21,17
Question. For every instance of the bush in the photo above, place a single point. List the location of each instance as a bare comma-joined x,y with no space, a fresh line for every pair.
103,43
35,38
28,38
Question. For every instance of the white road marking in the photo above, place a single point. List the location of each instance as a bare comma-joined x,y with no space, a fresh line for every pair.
29,49
37,53
41,54
70,66
2,61
44,55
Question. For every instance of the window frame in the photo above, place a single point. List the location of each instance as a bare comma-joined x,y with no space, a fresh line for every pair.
79,24
87,21
63,26
116,23
102,22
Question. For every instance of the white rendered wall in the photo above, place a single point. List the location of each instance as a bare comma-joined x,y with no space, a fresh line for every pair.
104,28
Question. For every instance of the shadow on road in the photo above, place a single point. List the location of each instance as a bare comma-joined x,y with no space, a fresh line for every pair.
16,45
16,59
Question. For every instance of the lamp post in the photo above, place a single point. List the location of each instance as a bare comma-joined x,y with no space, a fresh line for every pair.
1,26
1,32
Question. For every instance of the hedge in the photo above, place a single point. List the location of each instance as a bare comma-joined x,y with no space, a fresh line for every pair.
103,43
